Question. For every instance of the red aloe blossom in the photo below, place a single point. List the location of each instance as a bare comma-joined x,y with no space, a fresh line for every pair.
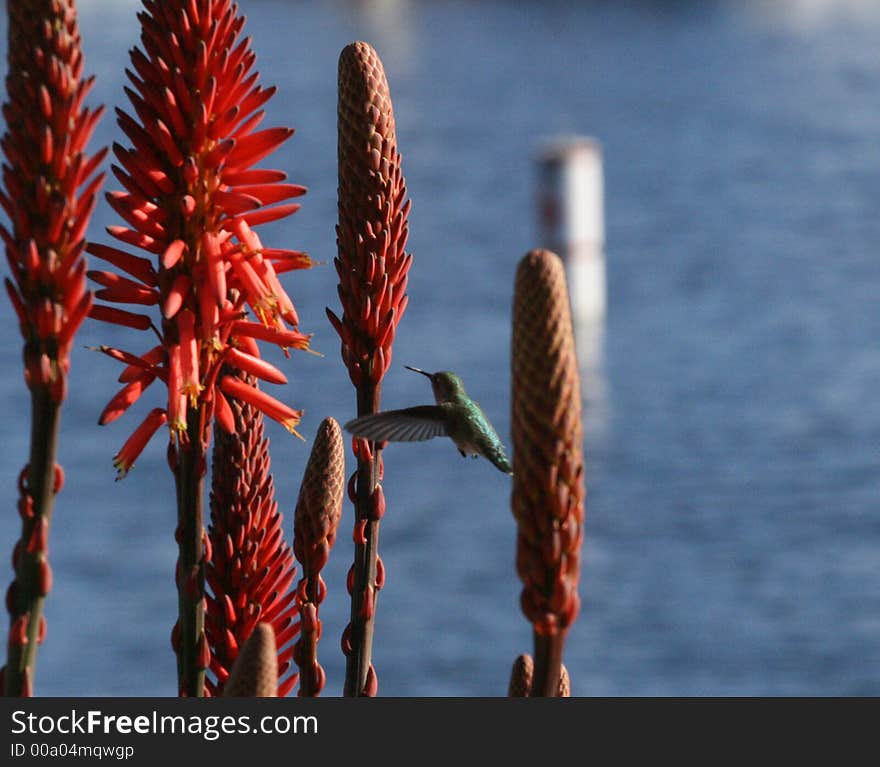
191,199
250,569
372,266
49,188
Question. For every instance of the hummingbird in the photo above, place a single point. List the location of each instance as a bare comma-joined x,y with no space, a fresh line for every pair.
455,416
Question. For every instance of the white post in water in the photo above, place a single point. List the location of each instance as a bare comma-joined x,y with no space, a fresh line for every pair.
571,219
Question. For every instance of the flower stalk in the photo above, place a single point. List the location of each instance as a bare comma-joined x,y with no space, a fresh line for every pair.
548,465
49,189
191,644
372,265
318,511
192,198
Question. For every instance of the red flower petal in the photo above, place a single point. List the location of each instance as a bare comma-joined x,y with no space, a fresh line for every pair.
285,415
125,398
234,177
139,268
134,446
265,215
284,338
223,413
255,366
148,361
120,317
176,296
173,253
268,194
251,149
126,294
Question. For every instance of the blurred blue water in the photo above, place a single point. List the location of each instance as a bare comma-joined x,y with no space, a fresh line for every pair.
732,418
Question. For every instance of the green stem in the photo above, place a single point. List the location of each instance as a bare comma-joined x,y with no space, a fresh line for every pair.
29,598
357,664
190,563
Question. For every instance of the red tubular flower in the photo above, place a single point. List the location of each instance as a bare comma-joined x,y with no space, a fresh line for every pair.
250,571
191,200
372,266
49,188
130,451
191,197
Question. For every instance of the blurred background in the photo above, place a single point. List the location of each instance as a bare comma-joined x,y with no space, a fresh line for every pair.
731,411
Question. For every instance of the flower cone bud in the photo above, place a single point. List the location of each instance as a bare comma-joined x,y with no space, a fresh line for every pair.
548,484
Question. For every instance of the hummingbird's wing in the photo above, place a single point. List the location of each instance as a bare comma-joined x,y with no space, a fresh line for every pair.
411,424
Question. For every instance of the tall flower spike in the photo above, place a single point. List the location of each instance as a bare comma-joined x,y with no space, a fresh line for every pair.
49,188
548,465
318,510
250,570
372,266
192,199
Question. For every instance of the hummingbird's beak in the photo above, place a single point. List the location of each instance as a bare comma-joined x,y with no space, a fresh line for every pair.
416,370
